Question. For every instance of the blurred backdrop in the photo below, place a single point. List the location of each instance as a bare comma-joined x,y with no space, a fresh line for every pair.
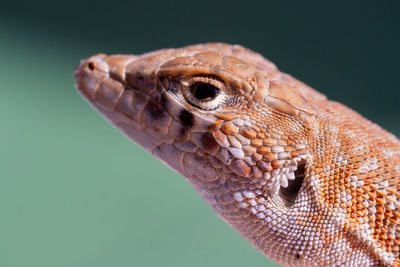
76,192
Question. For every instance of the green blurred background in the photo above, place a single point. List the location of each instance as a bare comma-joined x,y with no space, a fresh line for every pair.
76,192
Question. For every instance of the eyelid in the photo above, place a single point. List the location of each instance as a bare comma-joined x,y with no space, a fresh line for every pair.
204,79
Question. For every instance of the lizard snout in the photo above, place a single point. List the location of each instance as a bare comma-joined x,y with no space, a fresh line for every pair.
101,78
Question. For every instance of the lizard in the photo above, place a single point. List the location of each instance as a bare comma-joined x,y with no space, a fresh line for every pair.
306,180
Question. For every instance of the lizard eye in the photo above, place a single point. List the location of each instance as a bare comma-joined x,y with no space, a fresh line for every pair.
204,92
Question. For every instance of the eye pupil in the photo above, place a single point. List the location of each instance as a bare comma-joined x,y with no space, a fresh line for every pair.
204,91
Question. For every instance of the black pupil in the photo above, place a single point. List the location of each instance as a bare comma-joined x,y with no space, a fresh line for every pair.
204,91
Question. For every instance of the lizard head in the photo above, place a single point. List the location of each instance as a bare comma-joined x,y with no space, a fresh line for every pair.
228,121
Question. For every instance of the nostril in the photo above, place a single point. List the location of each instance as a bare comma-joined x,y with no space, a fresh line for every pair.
91,66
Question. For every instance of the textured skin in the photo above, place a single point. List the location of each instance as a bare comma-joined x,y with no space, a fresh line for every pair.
306,180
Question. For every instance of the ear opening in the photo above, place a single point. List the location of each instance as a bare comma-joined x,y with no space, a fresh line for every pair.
289,194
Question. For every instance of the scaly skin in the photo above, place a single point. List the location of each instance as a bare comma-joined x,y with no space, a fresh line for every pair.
306,180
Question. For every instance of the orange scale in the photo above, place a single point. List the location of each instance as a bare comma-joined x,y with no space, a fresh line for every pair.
260,135
381,241
389,177
391,191
353,195
371,196
373,187
380,201
270,156
380,217
365,196
289,149
395,181
275,135
277,163
318,170
388,213
352,160
291,141
249,133
380,194
229,128
226,116
359,213
347,174
380,209
342,169
353,209
396,213
336,191
360,220
216,125
256,142
342,187
264,150
360,199
357,165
